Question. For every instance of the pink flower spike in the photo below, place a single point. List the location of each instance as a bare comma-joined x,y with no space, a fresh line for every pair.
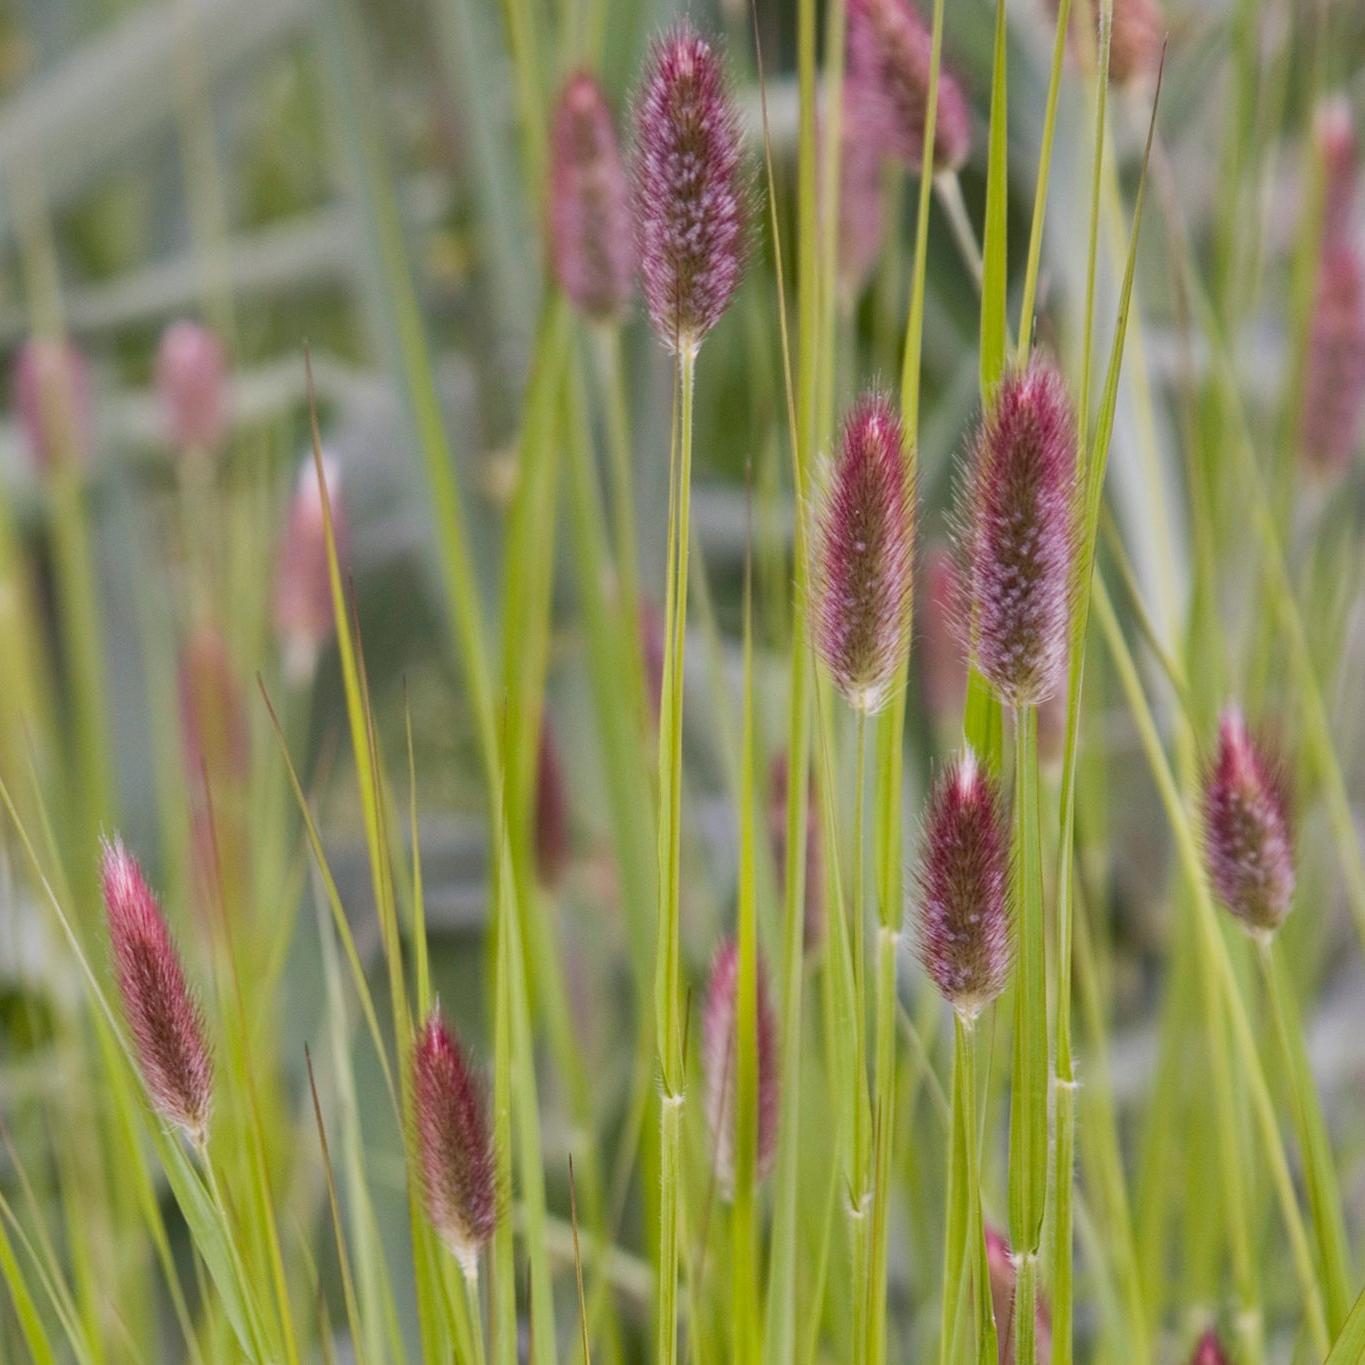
592,249
862,216
304,618
551,810
192,381
689,189
1334,380
1335,133
1018,534
719,1036
943,660
163,1016
52,399
963,888
887,75
458,1169
1248,839
1209,1350
865,541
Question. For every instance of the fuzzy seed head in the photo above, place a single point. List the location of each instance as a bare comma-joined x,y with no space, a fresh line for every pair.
1209,1350
163,1016
302,606
1018,535
592,245
689,189
862,217
1334,381
779,786
1248,839
52,400
192,383
458,1170
719,1059
963,887
865,542
887,79
551,810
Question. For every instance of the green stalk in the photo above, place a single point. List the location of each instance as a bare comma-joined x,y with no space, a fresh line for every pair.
867,1298
1324,1192
1029,1074
965,1046
669,1020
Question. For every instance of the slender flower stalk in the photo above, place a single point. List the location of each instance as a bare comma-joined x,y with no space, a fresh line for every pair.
163,1015
1137,33
690,210
813,913
1001,1267
192,384
458,1166
962,920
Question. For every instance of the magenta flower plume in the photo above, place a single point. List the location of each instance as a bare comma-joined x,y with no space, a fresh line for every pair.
862,217
718,1027
1334,380
887,75
963,888
1248,839
1209,1350
592,249
1000,1267
689,189
1335,134
52,401
458,1170
779,786
1018,533
865,541
551,810
943,660
162,1013
192,382
302,598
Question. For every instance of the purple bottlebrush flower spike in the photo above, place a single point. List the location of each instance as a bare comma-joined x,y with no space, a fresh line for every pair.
1248,839
889,56
1209,1350
592,248
1000,1266
192,379
719,1024
1334,381
779,785
52,401
162,1013
865,540
304,618
862,216
1018,535
963,912
689,189
942,657
552,810
1336,138
459,1176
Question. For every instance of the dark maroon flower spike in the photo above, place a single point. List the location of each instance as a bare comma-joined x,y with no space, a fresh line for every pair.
963,888
1334,380
592,246
779,786
302,598
887,75
1000,1265
1209,1350
52,401
1248,839
865,541
192,383
459,1177
719,1024
163,1016
689,189
1018,535
551,810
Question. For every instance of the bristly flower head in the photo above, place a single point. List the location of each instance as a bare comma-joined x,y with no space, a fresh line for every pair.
1209,1350
304,617
1334,380
719,1038
191,379
862,217
551,810
689,188
1248,839
865,541
592,248
1018,533
887,75
1000,1266
963,887
459,1176
52,401
163,1015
